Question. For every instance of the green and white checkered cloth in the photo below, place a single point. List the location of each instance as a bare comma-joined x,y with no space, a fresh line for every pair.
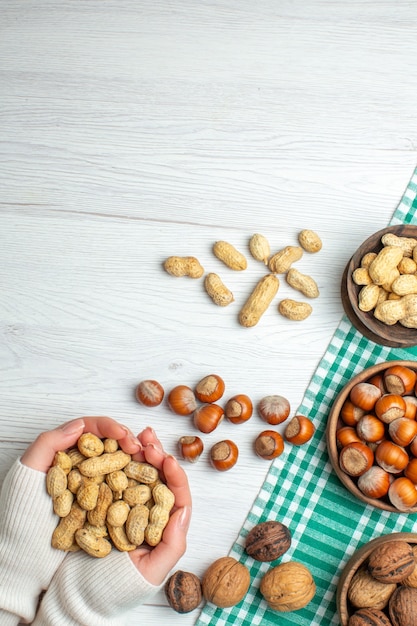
302,491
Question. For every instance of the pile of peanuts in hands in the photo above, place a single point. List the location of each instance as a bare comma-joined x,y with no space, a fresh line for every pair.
267,287
105,499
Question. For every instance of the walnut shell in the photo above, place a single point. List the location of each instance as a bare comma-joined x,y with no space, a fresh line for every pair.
403,607
391,562
183,591
411,580
288,586
268,541
369,617
225,582
366,592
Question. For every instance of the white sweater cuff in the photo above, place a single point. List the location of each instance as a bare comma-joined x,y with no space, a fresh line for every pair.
86,591
27,559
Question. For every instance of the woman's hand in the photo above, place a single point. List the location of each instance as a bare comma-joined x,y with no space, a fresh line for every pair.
155,564
40,454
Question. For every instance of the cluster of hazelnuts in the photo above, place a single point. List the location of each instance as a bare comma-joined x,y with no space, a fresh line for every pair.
202,403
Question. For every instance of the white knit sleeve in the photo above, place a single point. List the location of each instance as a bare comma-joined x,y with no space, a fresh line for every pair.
27,559
86,590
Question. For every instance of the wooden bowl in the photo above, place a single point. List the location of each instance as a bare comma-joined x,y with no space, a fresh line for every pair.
334,422
396,336
357,559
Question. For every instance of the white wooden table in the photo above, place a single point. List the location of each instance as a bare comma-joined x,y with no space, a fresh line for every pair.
132,131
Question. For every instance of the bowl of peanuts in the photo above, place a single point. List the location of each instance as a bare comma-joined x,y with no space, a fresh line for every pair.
379,287
378,584
372,436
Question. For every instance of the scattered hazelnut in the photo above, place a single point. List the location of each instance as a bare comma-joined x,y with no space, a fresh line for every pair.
207,417
191,448
181,400
274,409
269,444
210,388
224,455
239,409
149,393
299,430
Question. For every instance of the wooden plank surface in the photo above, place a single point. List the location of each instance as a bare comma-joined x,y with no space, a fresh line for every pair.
130,132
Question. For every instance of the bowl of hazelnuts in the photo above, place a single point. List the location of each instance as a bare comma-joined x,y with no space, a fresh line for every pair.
372,436
378,584
379,287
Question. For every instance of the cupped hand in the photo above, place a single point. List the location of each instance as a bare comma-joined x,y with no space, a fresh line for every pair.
155,564
40,454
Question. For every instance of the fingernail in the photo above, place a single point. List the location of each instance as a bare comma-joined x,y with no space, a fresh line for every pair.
70,428
184,517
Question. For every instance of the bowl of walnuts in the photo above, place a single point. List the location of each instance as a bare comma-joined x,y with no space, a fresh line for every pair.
372,436
379,287
378,584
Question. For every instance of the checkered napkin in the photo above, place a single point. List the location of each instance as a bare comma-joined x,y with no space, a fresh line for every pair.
302,491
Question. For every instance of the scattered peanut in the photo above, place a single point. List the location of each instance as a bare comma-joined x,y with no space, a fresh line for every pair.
259,248
230,256
303,283
294,310
183,266
259,300
281,262
310,241
217,290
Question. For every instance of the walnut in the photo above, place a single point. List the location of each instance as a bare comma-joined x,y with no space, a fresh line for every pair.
403,607
288,587
369,617
268,541
225,582
367,592
391,562
183,591
411,580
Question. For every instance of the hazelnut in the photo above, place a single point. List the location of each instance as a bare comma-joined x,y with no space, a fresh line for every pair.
268,541
366,592
183,591
403,607
269,444
391,562
288,587
274,409
369,617
225,582
149,392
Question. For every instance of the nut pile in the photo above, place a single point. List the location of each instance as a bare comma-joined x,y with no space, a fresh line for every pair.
105,499
377,436
203,405
383,591
388,281
286,587
267,287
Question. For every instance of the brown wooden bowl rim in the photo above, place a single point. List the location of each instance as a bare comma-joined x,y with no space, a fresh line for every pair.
332,422
396,335
354,563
